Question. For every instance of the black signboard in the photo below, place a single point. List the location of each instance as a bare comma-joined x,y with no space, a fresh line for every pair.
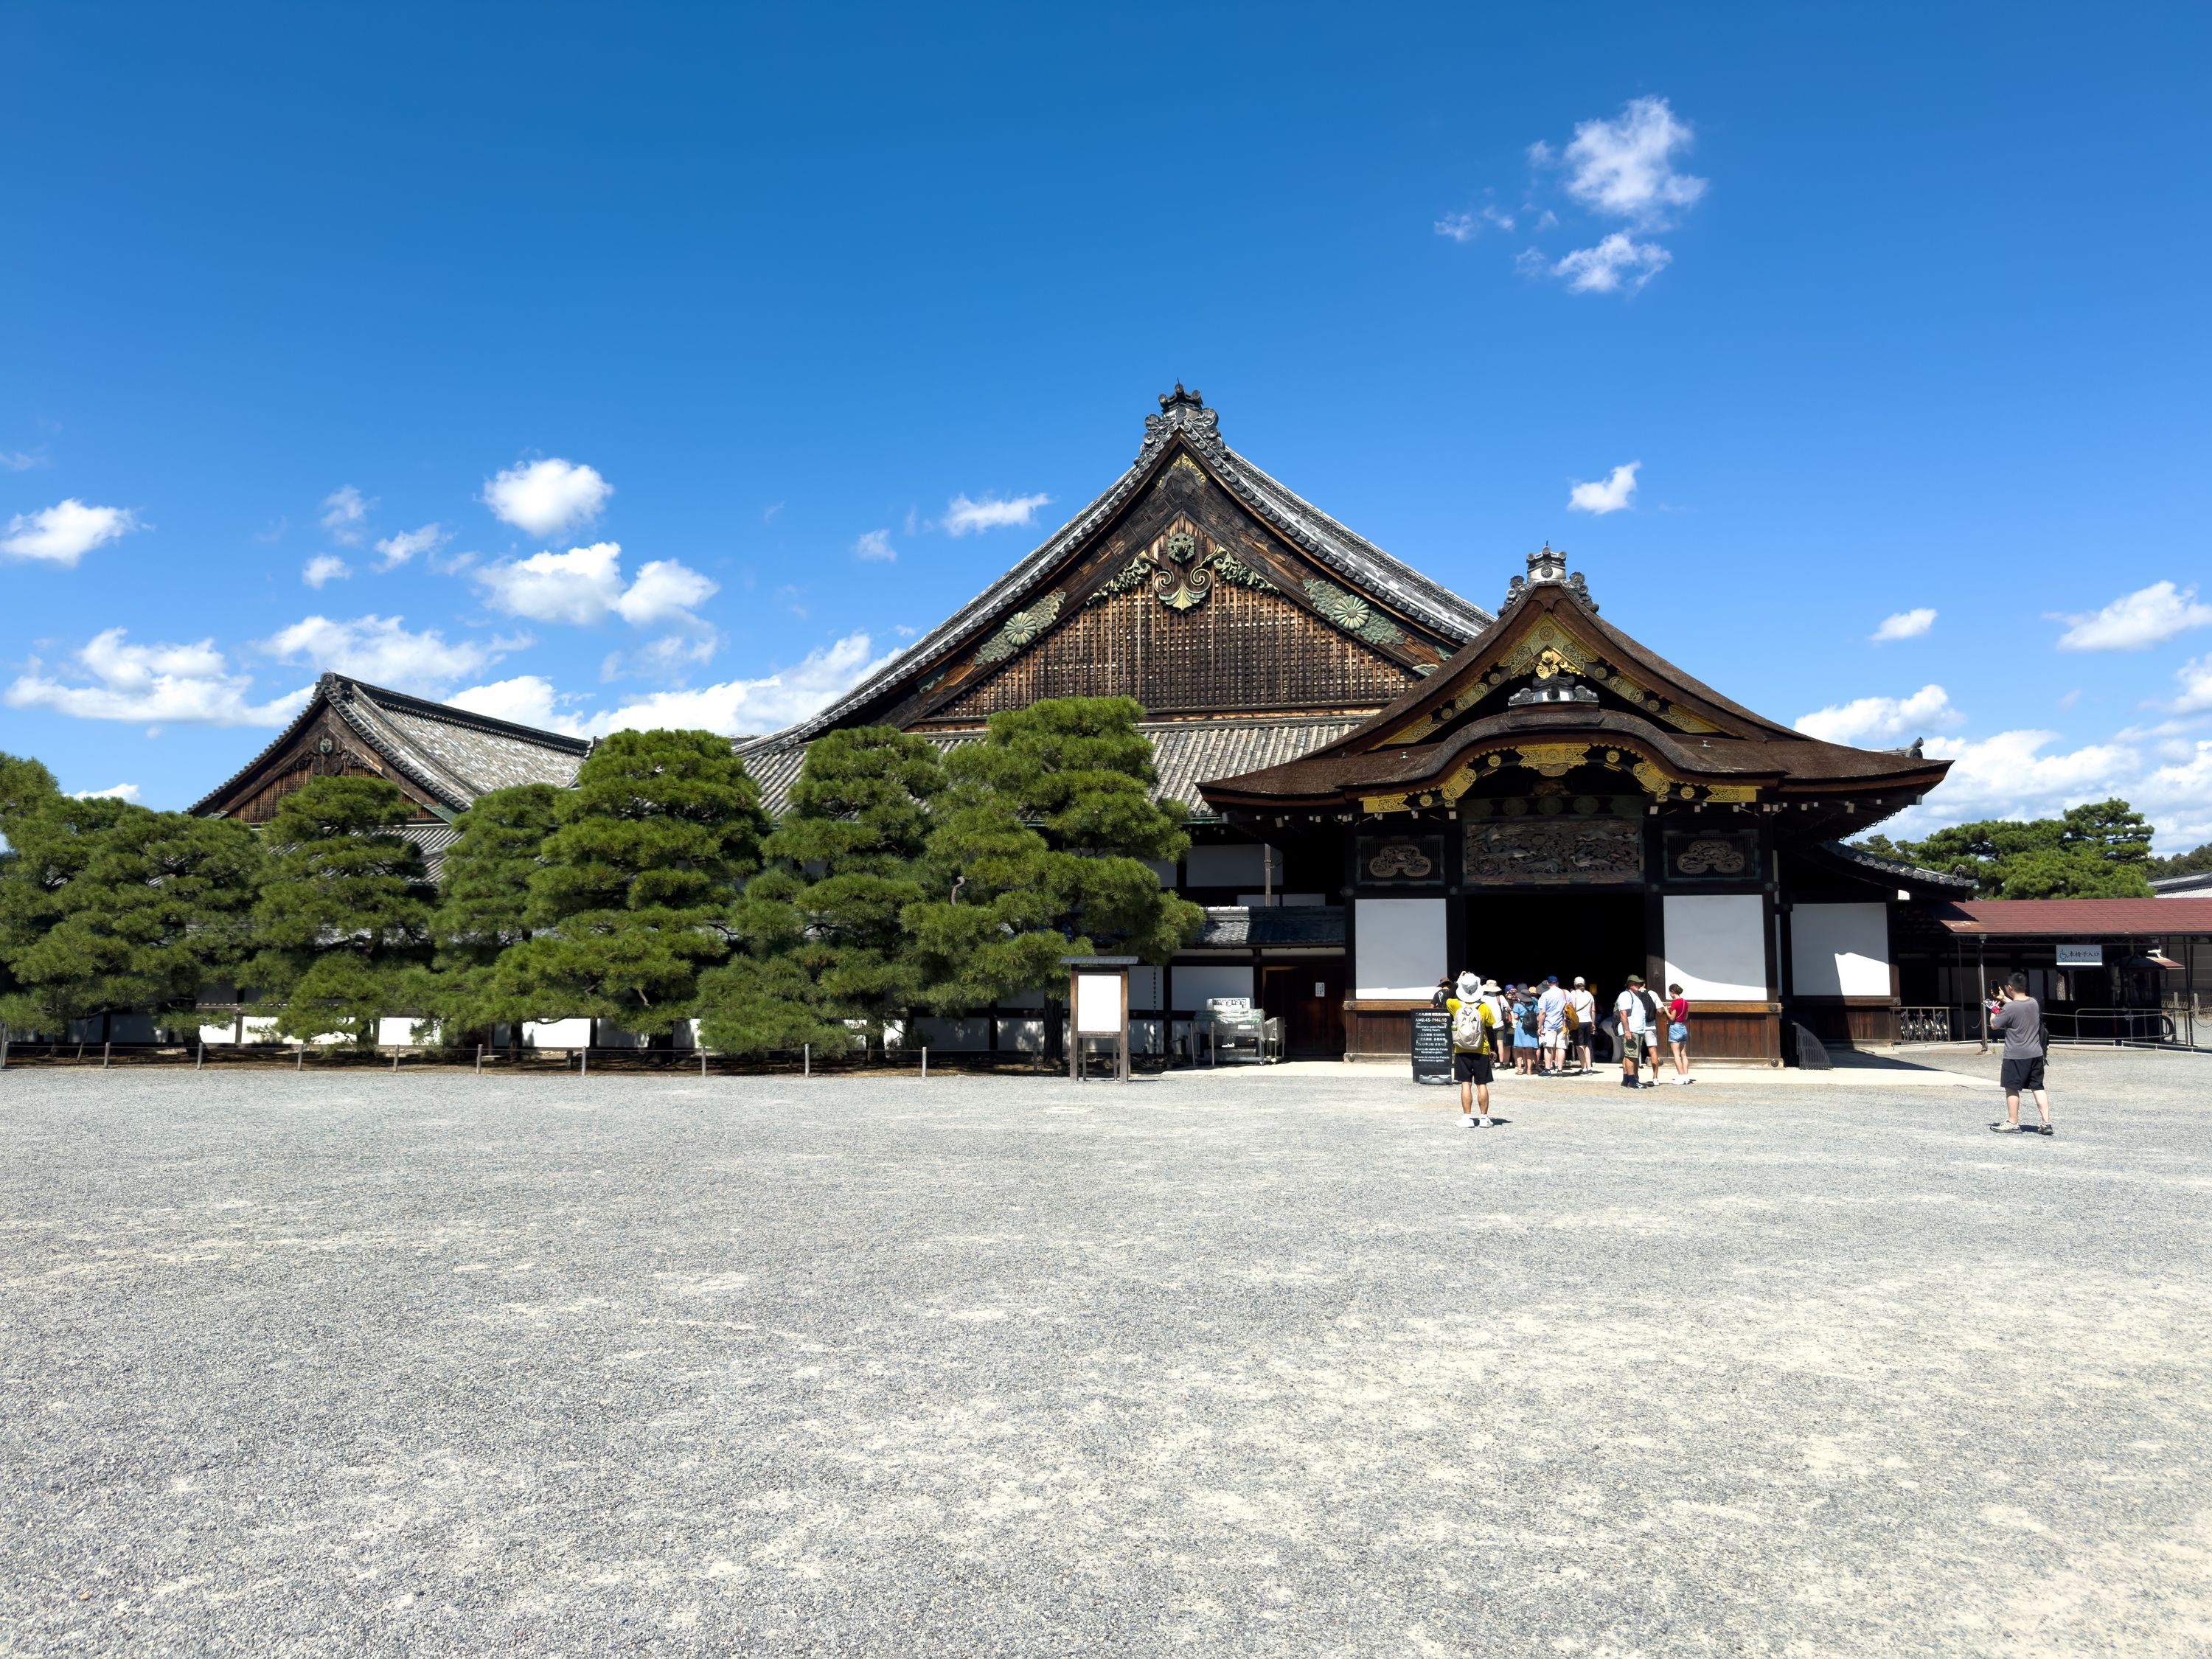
1432,1050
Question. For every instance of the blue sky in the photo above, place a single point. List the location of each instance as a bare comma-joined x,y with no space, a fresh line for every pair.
628,362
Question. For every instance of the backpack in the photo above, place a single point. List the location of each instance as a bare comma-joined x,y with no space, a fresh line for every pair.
1652,1021
1529,1020
1467,1034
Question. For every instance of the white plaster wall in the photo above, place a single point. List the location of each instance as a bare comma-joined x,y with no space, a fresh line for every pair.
1840,950
558,1033
1398,946
1716,947
1195,982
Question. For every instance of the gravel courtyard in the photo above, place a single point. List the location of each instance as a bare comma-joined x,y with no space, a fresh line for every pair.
1278,1362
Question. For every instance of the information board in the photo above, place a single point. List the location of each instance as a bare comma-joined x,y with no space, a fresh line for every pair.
2081,956
1432,1050
1098,1004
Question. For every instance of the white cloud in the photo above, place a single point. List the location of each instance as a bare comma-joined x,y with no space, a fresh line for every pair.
115,792
347,510
875,545
380,650
2196,677
664,590
1626,168
753,706
963,516
2178,798
1609,496
585,585
1460,227
544,497
1615,261
16,460
325,567
1905,625
66,531
528,700
142,683
2009,776
1874,718
2137,620
398,550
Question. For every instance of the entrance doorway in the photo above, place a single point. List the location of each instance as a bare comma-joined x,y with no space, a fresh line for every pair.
1308,997
1526,934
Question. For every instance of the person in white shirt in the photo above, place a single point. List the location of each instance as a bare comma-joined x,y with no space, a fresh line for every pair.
1551,1027
1585,1007
1634,1009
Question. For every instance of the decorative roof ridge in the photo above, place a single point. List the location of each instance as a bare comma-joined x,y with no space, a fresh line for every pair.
1898,868
467,718
452,790
1184,415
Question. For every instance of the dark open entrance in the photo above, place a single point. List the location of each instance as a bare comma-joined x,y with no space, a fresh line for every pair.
1566,931
1308,996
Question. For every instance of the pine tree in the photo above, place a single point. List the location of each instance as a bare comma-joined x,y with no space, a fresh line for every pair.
483,891
824,947
638,884
161,905
2100,849
343,924
51,838
1041,848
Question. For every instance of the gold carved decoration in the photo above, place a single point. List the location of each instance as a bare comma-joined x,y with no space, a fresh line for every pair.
1554,851
1400,861
1554,760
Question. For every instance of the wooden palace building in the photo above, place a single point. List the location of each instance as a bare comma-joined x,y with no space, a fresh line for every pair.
1386,781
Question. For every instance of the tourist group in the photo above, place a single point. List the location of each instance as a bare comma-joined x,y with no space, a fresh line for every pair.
1551,1030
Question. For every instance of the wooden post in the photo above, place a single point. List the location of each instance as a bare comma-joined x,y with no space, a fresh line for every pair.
299,1058
480,1059
702,1063
585,1070
199,1060
103,1047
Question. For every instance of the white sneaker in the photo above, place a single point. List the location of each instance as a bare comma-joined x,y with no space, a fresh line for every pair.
1484,1123
1466,1121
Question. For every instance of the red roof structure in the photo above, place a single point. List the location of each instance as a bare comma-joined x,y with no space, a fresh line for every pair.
2079,918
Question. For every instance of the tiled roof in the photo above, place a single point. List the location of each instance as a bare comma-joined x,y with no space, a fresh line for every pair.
1184,751
1184,417
1896,869
2194,881
2081,917
1239,925
453,755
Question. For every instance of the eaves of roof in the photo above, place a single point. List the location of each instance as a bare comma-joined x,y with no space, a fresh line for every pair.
2077,918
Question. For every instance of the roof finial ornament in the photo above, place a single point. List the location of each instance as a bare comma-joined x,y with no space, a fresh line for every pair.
1185,412
1547,568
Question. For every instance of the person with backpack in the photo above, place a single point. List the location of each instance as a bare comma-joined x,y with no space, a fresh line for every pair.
1473,1017
1583,1006
2019,1020
1525,1039
1639,1020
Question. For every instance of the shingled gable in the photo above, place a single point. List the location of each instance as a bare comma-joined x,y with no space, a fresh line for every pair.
1190,521
1550,681
440,757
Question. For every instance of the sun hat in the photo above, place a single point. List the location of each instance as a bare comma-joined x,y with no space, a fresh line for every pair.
1578,979
1468,984
1635,978
1490,986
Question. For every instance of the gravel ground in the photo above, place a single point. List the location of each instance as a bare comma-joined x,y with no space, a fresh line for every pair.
1278,1362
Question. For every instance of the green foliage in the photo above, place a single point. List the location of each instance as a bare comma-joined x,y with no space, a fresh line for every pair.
343,924
2100,849
1038,847
2193,862
823,939
483,892
108,907
638,882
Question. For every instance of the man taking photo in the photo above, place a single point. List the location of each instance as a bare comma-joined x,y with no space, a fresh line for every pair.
2019,1020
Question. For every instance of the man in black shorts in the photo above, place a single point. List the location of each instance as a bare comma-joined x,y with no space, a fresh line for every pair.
1474,1020
2019,1020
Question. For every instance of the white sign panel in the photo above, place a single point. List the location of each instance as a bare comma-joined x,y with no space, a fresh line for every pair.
1098,1004
2081,956
1398,946
1716,946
